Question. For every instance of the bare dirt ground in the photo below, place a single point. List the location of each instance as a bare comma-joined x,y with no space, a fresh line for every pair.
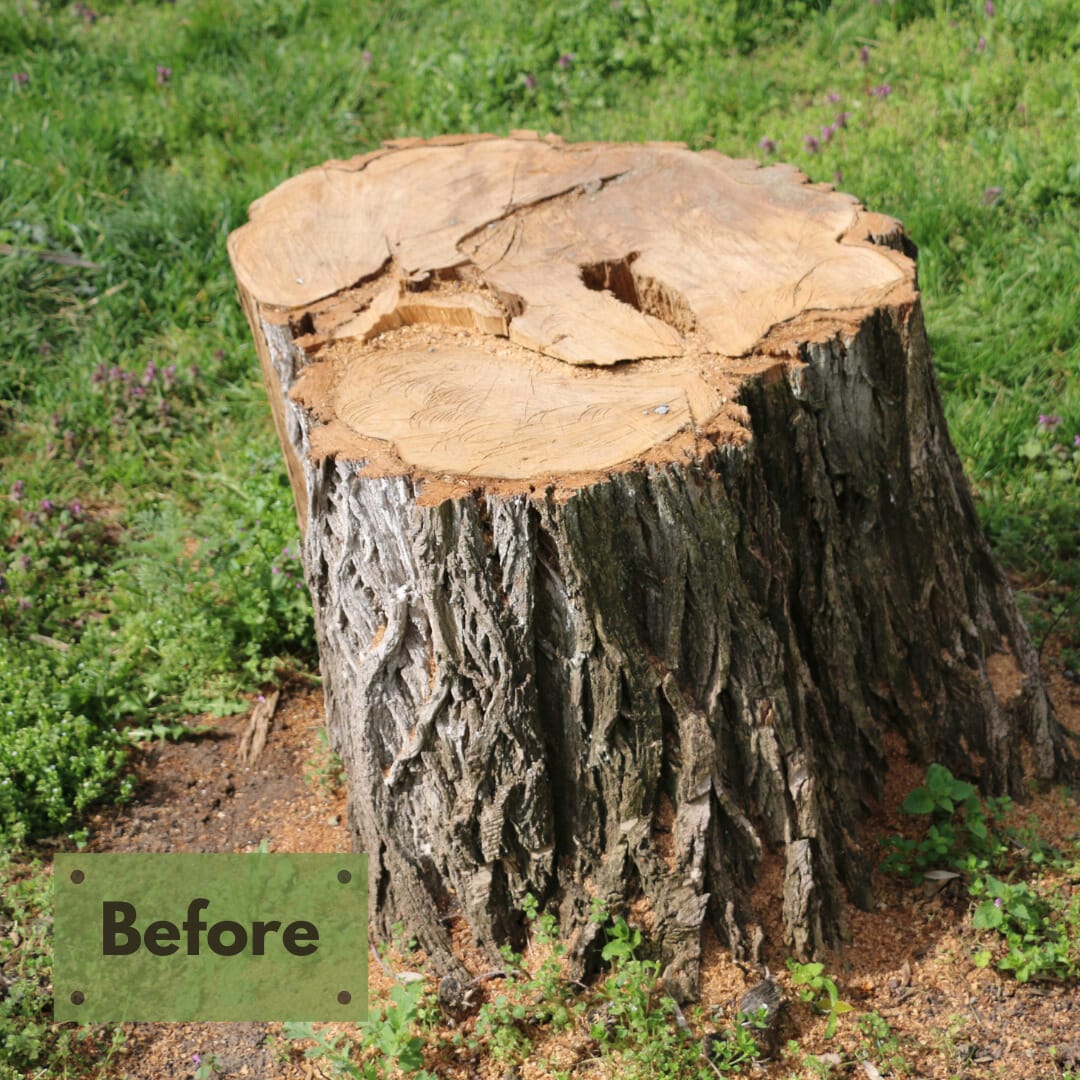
908,959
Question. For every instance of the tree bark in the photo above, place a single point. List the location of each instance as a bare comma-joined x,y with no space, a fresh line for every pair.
637,544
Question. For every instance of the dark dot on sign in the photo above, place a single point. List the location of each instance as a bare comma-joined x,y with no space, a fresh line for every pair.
344,877
77,877
77,997
344,997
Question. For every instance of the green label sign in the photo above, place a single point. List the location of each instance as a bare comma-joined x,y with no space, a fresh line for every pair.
210,937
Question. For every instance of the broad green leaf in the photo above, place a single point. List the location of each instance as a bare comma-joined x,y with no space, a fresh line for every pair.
987,917
919,801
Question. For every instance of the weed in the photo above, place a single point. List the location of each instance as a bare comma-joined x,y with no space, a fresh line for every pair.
325,770
880,1045
1040,925
388,1044
962,832
541,997
639,1029
818,991
1039,921
207,1066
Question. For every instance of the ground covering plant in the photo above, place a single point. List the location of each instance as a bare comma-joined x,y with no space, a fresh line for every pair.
817,989
149,565
632,1029
1037,920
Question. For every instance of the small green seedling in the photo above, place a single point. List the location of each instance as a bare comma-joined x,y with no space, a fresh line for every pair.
818,991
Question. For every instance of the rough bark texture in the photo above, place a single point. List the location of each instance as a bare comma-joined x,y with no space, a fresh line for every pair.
644,683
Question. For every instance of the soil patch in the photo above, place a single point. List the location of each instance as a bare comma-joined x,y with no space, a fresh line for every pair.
908,958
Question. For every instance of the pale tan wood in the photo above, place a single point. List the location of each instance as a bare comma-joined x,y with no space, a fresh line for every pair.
748,247
528,257
468,412
253,740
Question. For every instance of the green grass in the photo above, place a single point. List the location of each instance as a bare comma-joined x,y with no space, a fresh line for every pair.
147,542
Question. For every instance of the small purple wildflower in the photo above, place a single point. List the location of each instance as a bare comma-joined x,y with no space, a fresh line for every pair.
219,355
1076,440
194,372
882,91
197,1058
980,45
25,562
101,373
21,78
767,144
275,569
24,603
833,99
46,506
991,196
864,56
838,177
169,377
566,60
1049,421
366,57
3,584
76,508
841,119
827,132
164,74
17,490
530,82
989,9
135,392
811,143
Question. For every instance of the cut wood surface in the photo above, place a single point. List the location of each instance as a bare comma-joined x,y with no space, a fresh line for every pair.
590,255
637,544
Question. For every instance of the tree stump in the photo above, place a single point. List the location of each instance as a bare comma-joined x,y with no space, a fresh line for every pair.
637,544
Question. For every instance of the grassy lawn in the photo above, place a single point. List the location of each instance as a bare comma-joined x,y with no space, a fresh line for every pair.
148,566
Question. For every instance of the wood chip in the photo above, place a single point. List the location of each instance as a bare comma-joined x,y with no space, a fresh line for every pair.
254,738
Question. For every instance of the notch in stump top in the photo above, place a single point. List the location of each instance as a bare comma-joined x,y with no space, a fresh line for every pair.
573,309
